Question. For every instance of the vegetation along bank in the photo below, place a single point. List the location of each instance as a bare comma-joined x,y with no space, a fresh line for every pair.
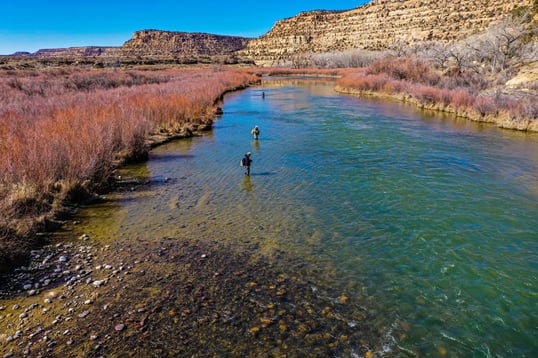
64,130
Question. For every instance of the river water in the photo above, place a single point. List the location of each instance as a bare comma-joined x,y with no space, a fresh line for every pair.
430,221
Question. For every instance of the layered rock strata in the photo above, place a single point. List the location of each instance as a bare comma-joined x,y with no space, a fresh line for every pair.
378,25
85,51
153,44
168,43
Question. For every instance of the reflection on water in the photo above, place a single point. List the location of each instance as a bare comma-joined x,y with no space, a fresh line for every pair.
427,220
247,184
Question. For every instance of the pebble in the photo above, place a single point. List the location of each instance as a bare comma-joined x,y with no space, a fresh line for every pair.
84,314
23,315
63,259
98,283
119,327
46,259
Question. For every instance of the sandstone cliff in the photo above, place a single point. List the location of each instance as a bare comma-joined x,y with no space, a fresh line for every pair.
168,43
377,25
85,51
153,46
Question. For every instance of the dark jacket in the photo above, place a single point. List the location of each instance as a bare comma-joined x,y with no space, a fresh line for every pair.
246,161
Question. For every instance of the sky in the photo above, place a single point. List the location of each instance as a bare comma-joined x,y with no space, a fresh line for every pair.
30,25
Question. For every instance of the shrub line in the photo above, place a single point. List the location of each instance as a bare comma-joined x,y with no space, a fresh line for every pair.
62,147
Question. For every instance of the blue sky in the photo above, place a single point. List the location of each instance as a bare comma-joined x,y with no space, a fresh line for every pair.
30,25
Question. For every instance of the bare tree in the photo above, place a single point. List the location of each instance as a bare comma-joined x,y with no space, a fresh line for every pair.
434,51
346,59
461,56
506,43
301,60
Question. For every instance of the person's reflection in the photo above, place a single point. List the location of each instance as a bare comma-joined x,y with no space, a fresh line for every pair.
247,185
256,144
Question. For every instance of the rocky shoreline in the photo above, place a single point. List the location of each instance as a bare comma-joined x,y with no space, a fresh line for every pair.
176,296
173,297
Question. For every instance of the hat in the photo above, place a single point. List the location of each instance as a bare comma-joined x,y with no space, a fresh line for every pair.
248,153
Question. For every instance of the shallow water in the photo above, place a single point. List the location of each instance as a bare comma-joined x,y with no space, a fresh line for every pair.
430,221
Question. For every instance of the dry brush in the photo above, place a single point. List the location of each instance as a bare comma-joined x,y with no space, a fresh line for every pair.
62,132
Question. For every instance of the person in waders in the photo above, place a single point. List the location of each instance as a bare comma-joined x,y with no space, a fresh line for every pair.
245,162
255,132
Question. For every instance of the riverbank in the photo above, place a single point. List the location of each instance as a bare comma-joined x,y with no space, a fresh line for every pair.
177,296
502,119
409,83
63,132
410,258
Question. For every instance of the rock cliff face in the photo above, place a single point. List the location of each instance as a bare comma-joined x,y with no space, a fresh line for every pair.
167,43
86,51
153,44
377,25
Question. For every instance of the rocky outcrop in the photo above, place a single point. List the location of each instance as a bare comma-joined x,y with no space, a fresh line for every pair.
85,51
153,44
377,25
168,43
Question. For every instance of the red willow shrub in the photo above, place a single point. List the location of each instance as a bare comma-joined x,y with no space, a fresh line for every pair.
462,98
484,106
406,68
60,129
457,90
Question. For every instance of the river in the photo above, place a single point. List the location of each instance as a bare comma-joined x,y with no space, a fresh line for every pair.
429,221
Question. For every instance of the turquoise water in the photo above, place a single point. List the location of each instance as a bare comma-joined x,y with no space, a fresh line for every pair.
434,219
431,221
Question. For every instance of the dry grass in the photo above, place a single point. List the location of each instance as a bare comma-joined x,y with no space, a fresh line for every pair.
63,130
